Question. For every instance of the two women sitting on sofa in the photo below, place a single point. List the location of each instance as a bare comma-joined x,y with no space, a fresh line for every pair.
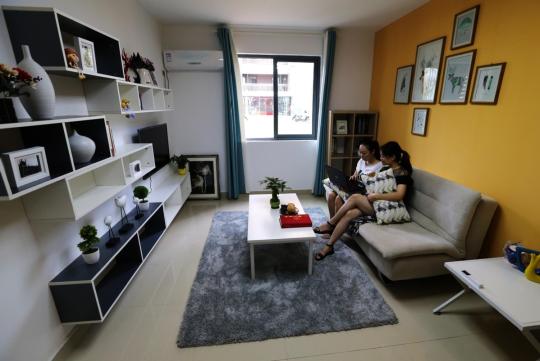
392,156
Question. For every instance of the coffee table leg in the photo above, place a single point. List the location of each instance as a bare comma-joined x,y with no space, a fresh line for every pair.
252,256
310,257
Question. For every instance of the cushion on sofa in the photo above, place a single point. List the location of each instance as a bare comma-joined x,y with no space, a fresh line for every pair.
403,240
443,207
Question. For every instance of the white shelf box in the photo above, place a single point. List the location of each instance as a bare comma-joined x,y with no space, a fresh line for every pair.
147,98
159,99
145,156
131,93
169,102
90,190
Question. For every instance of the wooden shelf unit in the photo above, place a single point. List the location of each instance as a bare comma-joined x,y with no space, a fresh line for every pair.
48,32
342,148
104,96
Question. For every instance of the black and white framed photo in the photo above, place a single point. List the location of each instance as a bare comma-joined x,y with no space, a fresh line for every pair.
87,54
26,166
465,28
419,123
457,76
402,90
487,83
204,174
341,127
135,169
426,70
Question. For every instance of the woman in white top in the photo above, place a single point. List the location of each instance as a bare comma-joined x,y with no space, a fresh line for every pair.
369,162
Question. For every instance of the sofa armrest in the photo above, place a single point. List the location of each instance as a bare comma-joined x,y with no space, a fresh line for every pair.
479,226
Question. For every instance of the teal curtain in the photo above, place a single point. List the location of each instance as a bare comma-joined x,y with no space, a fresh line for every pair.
234,161
330,49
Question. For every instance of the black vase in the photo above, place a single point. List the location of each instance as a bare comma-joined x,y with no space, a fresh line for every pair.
7,111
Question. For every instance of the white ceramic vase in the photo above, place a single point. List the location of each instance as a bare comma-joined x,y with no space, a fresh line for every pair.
91,258
40,102
82,148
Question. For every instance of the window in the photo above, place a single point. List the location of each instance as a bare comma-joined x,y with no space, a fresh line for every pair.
280,95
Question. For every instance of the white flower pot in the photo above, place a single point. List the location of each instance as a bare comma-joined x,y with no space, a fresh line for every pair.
40,103
91,258
82,148
144,206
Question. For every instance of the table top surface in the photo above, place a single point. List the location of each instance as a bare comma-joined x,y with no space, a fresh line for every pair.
263,222
504,287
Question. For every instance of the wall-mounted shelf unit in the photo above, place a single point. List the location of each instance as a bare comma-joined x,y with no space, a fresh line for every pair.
346,130
48,32
86,293
82,191
104,96
172,191
53,136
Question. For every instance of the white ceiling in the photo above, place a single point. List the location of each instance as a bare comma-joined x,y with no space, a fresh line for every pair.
309,14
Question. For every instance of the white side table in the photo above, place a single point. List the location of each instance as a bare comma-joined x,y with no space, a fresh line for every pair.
505,288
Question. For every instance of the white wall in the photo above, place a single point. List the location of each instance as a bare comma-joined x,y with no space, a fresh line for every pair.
31,254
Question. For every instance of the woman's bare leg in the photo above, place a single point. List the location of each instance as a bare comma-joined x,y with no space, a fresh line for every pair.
338,203
332,203
340,228
356,201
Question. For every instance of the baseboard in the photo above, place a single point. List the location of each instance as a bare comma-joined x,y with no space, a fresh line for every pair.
68,337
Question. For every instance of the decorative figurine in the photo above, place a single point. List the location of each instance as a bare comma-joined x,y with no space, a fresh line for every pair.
73,59
139,214
121,203
113,239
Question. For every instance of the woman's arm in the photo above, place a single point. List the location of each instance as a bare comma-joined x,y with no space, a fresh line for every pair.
396,196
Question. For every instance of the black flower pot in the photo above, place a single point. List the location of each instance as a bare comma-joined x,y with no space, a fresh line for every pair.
7,111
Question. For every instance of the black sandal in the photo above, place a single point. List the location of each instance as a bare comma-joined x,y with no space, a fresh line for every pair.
319,256
328,231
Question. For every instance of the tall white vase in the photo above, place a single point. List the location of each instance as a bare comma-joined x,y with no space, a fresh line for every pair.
82,148
40,102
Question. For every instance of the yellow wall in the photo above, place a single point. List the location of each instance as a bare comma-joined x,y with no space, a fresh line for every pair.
493,149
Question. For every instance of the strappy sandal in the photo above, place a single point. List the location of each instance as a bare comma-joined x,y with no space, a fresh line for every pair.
328,231
319,256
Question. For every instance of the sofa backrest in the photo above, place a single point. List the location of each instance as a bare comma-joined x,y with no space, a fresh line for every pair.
443,207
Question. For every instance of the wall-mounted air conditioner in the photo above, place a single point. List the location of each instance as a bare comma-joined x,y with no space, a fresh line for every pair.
193,60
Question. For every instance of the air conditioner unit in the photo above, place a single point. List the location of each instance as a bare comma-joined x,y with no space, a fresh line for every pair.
193,60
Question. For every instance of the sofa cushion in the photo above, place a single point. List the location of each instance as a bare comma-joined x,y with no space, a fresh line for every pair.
403,240
386,211
443,207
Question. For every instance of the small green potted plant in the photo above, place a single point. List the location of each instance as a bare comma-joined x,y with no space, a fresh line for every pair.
88,247
141,192
275,185
181,162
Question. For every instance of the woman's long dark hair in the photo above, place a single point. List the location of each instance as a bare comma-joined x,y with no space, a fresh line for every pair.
373,147
402,157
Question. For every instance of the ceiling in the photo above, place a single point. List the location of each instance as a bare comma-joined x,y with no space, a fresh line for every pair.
308,14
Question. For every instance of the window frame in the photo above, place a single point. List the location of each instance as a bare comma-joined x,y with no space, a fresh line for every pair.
316,60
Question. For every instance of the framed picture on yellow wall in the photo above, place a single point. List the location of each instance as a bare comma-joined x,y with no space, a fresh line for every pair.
457,76
426,71
465,28
402,90
419,122
487,83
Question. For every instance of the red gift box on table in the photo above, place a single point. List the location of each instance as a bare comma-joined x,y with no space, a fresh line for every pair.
297,220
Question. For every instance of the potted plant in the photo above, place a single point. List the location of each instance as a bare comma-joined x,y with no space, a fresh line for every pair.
141,192
88,247
14,82
275,185
181,162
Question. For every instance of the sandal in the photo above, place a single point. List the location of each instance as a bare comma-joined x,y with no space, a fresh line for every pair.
319,256
328,231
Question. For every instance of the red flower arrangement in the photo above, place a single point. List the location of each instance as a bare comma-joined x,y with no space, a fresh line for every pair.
13,81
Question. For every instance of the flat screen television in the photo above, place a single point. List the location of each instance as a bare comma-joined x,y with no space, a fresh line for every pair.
157,135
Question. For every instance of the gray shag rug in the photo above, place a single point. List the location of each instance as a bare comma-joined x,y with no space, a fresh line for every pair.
226,306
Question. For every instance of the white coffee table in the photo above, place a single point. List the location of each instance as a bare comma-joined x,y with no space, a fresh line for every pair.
264,227
505,288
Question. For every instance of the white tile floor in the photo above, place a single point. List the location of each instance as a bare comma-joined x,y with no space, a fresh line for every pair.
145,322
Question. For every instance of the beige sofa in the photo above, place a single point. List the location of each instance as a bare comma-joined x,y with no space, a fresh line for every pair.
449,222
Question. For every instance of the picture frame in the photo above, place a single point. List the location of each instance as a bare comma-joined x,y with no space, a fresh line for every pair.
87,54
464,28
341,127
487,84
135,169
426,71
26,166
204,175
419,122
402,90
457,77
